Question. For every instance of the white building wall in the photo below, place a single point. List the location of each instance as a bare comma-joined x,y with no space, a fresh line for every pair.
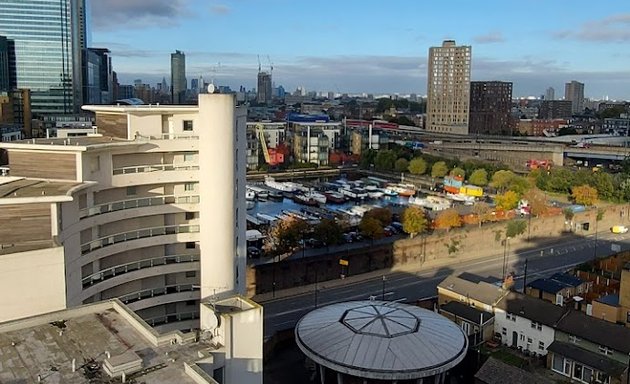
524,331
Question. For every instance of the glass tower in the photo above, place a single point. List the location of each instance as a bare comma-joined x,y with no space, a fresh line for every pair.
46,38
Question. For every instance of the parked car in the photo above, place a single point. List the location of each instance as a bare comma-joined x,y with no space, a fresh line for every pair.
619,229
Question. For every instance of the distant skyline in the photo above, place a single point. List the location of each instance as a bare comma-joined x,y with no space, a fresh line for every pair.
368,46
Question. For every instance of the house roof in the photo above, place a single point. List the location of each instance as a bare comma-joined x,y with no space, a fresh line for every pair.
592,359
596,331
494,371
533,309
568,279
612,300
467,312
484,292
556,283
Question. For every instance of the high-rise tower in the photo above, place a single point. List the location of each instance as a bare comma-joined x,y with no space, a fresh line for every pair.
448,90
46,38
178,77
263,92
574,92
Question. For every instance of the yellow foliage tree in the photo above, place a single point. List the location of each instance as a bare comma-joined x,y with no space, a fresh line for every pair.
584,194
507,200
447,219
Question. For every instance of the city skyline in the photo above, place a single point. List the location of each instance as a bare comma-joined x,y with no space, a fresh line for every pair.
375,50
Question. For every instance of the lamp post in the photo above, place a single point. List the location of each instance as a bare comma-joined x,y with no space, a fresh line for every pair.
383,288
595,248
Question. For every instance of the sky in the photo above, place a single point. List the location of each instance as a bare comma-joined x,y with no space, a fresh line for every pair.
368,45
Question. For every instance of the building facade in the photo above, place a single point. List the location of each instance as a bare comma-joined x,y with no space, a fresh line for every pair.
550,94
555,109
263,90
490,108
448,88
46,60
178,77
4,64
150,211
574,92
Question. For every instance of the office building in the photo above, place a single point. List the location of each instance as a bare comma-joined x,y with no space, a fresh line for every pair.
45,45
4,64
574,92
151,211
448,88
178,77
490,107
555,109
263,92
550,94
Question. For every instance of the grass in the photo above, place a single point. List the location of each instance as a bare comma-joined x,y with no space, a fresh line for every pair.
505,355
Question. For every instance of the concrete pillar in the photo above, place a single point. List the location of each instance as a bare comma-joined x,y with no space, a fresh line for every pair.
339,378
322,374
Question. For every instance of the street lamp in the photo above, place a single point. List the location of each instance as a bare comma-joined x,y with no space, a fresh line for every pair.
383,288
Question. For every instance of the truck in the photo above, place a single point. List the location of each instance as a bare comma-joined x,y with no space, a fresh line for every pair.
471,190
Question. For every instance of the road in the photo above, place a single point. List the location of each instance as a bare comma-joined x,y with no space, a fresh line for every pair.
543,261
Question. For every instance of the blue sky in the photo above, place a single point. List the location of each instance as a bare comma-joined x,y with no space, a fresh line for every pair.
370,46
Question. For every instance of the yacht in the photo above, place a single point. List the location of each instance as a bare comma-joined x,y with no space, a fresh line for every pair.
280,186
261,193
403,189
389,192
335,197
250,195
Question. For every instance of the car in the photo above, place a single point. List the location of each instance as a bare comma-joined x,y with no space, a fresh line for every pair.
253,252
619,229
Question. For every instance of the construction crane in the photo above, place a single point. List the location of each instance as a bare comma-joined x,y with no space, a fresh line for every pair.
272,157
270,65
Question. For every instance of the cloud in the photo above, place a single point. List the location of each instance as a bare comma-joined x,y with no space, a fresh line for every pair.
220,9
113,14
612,29
489,38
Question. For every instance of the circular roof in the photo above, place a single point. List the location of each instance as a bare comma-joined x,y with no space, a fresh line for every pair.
381,340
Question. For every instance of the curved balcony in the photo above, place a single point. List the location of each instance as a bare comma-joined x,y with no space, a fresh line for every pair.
137,203
155,292
172,318
137,234
154,168
122,269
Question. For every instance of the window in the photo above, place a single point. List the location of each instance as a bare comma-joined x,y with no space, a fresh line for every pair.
504,331
191,274
605,350
558,364
541,345
190,245
529,340
574,339
537,325
131,191
187,125
189,186
522,337
510,316
189,157
601,377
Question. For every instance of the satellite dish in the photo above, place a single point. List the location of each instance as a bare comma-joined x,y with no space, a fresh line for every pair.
211,88
213,322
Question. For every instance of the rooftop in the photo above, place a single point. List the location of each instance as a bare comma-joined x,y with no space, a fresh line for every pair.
467,312
612,299
381,340
592,359
481,291
494,371
16,187
597,331
98,337
556,283
533,309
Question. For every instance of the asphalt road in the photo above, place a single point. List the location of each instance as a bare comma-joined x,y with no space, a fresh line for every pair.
543,261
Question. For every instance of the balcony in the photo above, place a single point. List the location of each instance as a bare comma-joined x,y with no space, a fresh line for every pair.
156,292
118,270
137,203
172,318
154,168
137,234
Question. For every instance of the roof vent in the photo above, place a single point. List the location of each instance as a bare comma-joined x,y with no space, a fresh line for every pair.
123,364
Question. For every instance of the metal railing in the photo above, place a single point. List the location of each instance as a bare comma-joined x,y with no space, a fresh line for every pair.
137,203
171,318
137,234
121,269
178,136
154,168
166,290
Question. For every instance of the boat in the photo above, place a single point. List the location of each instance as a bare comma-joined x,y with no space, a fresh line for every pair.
403,189
389,192
375,194
432,203
275,195
250,195
302,199
354,193
320,198
261,193
335,197
467,200
280,186
250,205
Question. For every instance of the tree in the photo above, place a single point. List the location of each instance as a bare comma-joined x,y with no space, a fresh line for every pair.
515,228
328,232
367,158
383,215
519,184
501,180
385,160
584,194
507,201
285,235
537,201
439,169
371,228
418,166
457,171
401,165
414,221
479,177
482,210
568,214
447,219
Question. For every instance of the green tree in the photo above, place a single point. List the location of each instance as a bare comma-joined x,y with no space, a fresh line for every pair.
371,228
519,184
507,200
584,194
383,215
367,158
401,165
447,219
479,177
385,160
285,235
600,214
457,171
603,183
418,166
328,232
501,180
439,169
568,214
515,228
414,221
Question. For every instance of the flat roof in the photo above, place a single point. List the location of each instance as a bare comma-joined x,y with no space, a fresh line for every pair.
152,108
46,345
14,188
381,340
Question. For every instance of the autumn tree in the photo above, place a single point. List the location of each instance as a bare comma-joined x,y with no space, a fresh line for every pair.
439,169
383,215
401,165
507,200
479,177
414,221
418,166
482,210
447,219
584,194
457,171
285,235
371,228
537,201
328,232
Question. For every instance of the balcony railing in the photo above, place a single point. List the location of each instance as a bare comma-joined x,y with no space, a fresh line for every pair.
137,203
166,290
172,318
108,273
178,136
137,234
154,168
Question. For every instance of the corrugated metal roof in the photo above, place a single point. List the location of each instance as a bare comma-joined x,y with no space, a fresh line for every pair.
381,340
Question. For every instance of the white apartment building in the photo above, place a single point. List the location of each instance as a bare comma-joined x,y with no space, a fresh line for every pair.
148,212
